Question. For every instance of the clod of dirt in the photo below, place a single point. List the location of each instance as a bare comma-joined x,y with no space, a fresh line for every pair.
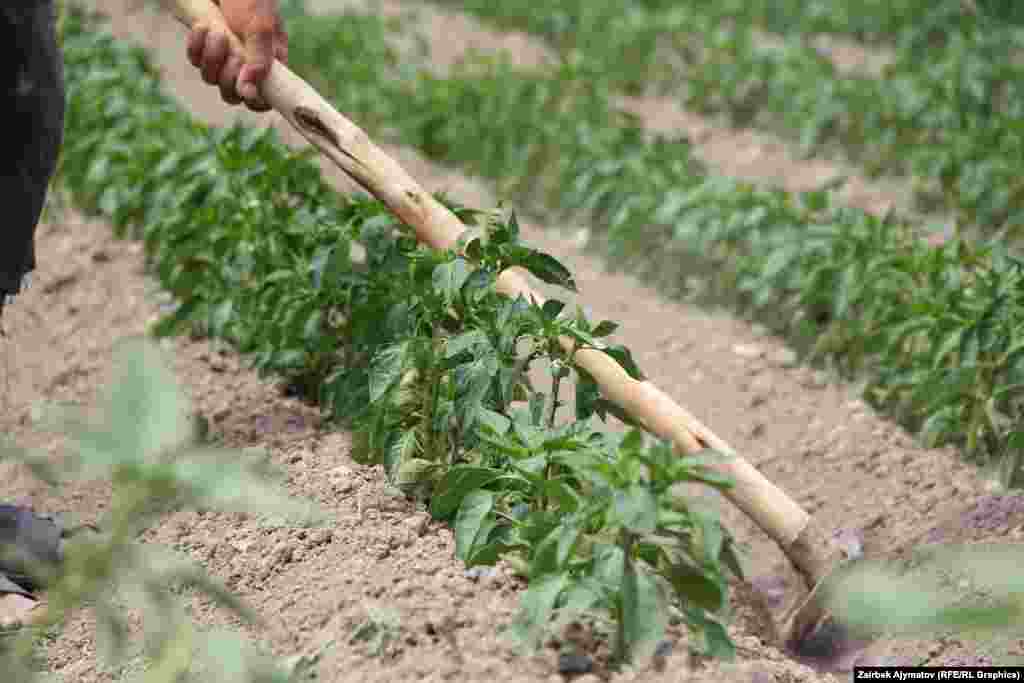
772,587
993,513
56,285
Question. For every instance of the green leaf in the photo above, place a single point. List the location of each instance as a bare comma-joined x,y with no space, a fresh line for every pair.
497,422
625,358
456,484
731,559
553,552
551,308
608,565
711,534
701,467
221,316
604,328
144,407
588,396
644,614
479,375
221,479
717,643
467,341
584,595
536,606
386,369
544,267
636,509
479,283
311,330
414,471
474,509
632,441
692,582
448,278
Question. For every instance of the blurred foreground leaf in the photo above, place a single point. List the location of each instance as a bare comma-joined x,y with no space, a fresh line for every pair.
975,590
141,439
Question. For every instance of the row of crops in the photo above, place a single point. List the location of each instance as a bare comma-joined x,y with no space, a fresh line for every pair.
412,348
936,330
947,114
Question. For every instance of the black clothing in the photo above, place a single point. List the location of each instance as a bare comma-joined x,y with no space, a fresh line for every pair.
32,95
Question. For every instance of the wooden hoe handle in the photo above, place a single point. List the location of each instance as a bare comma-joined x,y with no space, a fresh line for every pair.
351,149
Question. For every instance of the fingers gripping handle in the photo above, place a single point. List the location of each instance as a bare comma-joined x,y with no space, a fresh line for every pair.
195,13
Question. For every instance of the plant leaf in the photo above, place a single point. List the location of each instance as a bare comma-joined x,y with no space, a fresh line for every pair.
456,484
636,509
542,266
643,611
474,509
387,368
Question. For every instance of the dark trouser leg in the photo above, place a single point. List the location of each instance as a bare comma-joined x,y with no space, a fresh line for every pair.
32,95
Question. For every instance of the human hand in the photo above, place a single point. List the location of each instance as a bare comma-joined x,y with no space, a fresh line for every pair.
258,25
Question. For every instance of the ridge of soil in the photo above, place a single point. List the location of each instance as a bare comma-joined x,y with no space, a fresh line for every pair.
858,474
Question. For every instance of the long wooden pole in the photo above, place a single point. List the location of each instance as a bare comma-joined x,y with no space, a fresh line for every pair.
351,149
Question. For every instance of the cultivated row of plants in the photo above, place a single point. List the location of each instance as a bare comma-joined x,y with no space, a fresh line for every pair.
411,347
948,116
900,23
937,329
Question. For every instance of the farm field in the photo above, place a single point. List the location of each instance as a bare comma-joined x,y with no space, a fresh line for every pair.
386,568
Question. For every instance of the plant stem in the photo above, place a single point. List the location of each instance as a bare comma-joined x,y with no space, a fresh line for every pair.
556,383
555,386
435,395
620,654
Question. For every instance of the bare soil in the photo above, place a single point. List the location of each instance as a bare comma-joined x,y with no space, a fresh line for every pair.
860,475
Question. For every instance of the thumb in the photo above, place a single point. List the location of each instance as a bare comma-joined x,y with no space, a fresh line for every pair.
259,46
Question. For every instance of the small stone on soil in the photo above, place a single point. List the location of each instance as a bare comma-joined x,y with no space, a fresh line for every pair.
749,351
571,663
419,524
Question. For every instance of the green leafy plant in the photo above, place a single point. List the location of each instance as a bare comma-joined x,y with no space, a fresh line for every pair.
141,439
610,537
